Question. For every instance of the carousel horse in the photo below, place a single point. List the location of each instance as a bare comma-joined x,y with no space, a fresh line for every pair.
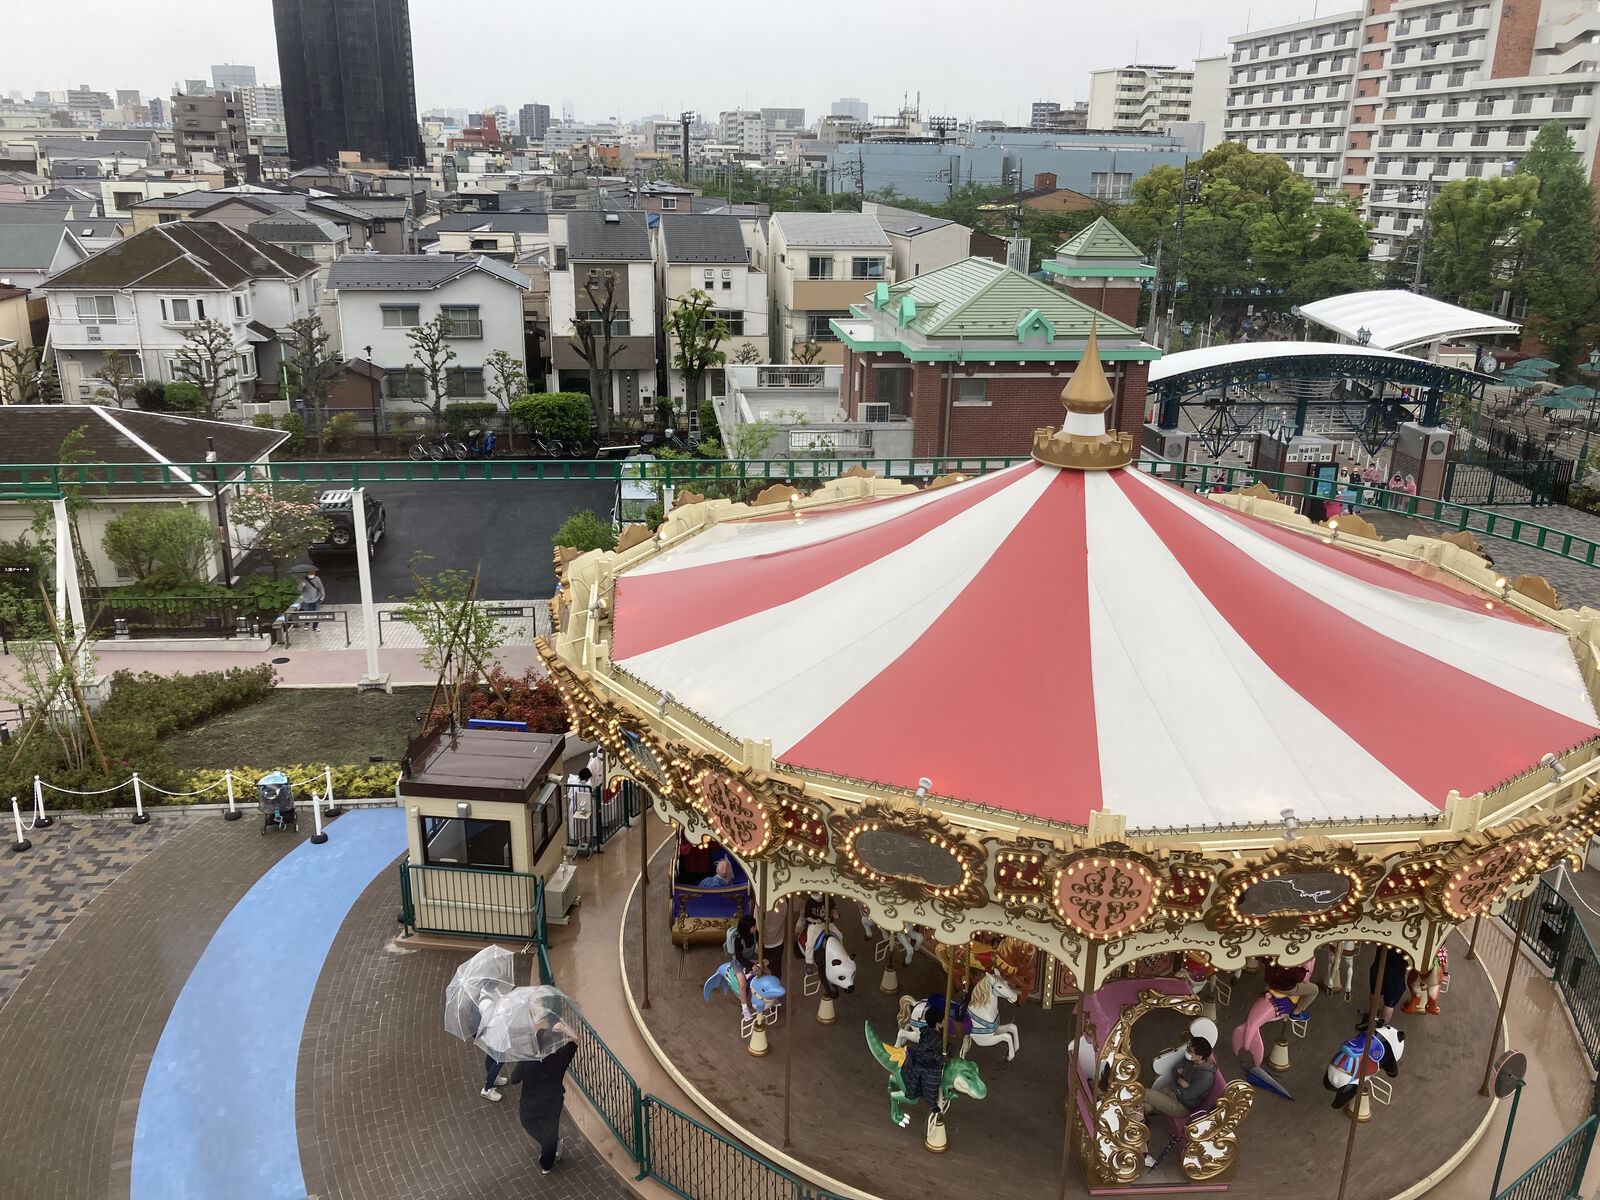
910,938
1360,1058
1429,984
822,947
766,991
983,1015
918,1016
920,1074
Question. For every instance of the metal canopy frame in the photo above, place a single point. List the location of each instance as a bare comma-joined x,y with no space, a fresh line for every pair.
1432,380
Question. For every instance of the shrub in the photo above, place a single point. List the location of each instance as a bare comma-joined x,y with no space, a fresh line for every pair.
401,422
158,542
585,531
339,434
184,397
295,427
532,699
564,415
470,415
151,397
709,430
365,782
174,702
256,596
264,421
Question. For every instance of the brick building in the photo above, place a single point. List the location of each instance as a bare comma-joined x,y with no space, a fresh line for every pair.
975,355
1102,268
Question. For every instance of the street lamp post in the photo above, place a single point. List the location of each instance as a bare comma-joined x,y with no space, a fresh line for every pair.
373,384
1363,336
1186,329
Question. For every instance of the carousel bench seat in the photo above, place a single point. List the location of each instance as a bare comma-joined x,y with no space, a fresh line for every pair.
703,915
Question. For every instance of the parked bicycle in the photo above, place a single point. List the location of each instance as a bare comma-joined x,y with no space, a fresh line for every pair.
546,446
422,450
481,443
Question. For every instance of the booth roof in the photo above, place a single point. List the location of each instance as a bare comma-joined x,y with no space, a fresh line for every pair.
1051,642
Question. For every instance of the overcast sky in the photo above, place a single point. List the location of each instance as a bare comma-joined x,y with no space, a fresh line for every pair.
629,58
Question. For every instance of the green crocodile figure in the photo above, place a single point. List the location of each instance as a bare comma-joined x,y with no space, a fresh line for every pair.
959,1076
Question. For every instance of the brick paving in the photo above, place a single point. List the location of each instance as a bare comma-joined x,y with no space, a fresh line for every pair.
77,1036
45,888
387,1103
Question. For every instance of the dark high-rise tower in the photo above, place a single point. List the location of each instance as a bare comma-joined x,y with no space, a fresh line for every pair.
347,80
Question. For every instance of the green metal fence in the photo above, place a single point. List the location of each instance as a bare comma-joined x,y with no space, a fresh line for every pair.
468,902
1559,1174
700,1164
610,818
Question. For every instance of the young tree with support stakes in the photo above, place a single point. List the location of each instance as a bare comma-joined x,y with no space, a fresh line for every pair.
313,368
506,379
118,379
695,333
208,360
593,344
431,351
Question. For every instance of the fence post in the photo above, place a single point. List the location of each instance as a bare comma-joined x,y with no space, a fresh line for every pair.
641,1126
327,796
233,813
408,915
22,843
41,819
317,838
139,814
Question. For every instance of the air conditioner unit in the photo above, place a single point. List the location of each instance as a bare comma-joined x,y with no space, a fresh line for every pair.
875,413
92,332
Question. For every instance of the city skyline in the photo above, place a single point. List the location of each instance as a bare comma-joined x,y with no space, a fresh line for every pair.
108,54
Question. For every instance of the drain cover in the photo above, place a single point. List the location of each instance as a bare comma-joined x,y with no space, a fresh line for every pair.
280,660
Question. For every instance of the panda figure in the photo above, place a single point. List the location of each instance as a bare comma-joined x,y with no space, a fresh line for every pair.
1360,1057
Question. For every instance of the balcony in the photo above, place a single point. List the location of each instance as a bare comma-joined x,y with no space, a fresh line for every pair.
73,333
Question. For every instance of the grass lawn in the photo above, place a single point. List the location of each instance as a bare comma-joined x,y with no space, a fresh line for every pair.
305,725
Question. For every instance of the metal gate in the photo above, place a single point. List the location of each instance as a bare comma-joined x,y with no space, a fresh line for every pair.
1534,481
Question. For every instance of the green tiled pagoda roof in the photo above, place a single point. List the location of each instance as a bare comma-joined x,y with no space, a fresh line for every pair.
980,298
1102,239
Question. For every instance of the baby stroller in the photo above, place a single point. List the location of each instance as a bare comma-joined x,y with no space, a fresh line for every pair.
276,802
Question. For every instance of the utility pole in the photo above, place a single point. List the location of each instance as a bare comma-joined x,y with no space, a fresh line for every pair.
1177,265
686,119
1422,238
861,175
1155,296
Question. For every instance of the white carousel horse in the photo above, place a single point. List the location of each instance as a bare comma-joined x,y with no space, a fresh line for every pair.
910,938
822,946
983,1010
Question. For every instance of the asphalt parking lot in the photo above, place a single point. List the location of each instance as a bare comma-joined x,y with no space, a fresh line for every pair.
506,526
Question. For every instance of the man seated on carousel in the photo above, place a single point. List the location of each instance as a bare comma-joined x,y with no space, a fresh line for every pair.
923,1072
1189,1087
1290,981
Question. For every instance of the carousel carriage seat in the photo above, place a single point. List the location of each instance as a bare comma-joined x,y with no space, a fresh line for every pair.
703,914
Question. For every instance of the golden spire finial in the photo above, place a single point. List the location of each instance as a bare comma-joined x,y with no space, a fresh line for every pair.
1089,391
1083,442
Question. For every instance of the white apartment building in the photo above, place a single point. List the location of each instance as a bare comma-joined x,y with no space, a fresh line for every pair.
744,129
818,265
1430,91
707,252
1146,99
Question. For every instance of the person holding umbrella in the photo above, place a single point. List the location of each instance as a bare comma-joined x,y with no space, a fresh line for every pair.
544,1093
469,996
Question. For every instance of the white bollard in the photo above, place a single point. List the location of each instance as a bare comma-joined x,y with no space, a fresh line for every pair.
327,796
233,813
318,837
22,843
41,819
140,817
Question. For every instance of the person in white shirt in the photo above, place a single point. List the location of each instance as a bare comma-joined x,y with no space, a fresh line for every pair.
580,811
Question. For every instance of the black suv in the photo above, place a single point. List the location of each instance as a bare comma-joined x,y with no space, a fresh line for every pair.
341,539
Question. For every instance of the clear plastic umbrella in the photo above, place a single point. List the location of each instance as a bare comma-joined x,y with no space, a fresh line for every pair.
489,973
527,1023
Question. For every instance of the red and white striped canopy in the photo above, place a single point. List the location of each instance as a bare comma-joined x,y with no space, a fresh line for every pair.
1050,642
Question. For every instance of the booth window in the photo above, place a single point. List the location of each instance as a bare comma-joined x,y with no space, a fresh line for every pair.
458,842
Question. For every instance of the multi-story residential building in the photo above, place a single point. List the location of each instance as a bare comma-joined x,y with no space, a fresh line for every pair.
263,105
1408,96
849,106
919,242
1043,115
601,255
708,253
1147,99
664,137
792,120
818,265
507,236
744,129
239,206
347,80
87,106
209,128
30,253
141,296
533,120
383,296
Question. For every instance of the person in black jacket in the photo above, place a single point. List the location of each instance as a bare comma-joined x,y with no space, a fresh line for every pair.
543,1094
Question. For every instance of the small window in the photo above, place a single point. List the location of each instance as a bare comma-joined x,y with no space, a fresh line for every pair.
727,285
97,310
247,364
464,382
819,266
167,218
380,227
866,268
974,393
399,316
177,312
668,203
404,384
464,321
295,292
459,842
240,309
818,327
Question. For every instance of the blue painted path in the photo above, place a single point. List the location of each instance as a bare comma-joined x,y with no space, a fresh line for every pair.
216,1117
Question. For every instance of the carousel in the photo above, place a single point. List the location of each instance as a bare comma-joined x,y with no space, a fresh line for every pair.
1070,737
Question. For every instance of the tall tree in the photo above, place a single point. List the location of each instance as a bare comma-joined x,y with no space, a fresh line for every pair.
1558,277
507,382
1480,232
27,377
305,350
695,333
433,354
591,338
118,380
208,360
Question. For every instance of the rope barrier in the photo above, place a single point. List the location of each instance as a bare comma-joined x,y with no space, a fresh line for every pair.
164,792
116,787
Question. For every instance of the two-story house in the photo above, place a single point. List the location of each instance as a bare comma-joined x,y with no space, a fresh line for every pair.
818,265
605,263
143,295
382,297
708,254
508,236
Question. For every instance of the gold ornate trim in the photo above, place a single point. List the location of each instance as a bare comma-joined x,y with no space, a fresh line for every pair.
1212,1150
1311,903
923,826
1119,1135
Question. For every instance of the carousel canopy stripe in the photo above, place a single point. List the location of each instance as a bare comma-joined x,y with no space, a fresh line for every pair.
1052,642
